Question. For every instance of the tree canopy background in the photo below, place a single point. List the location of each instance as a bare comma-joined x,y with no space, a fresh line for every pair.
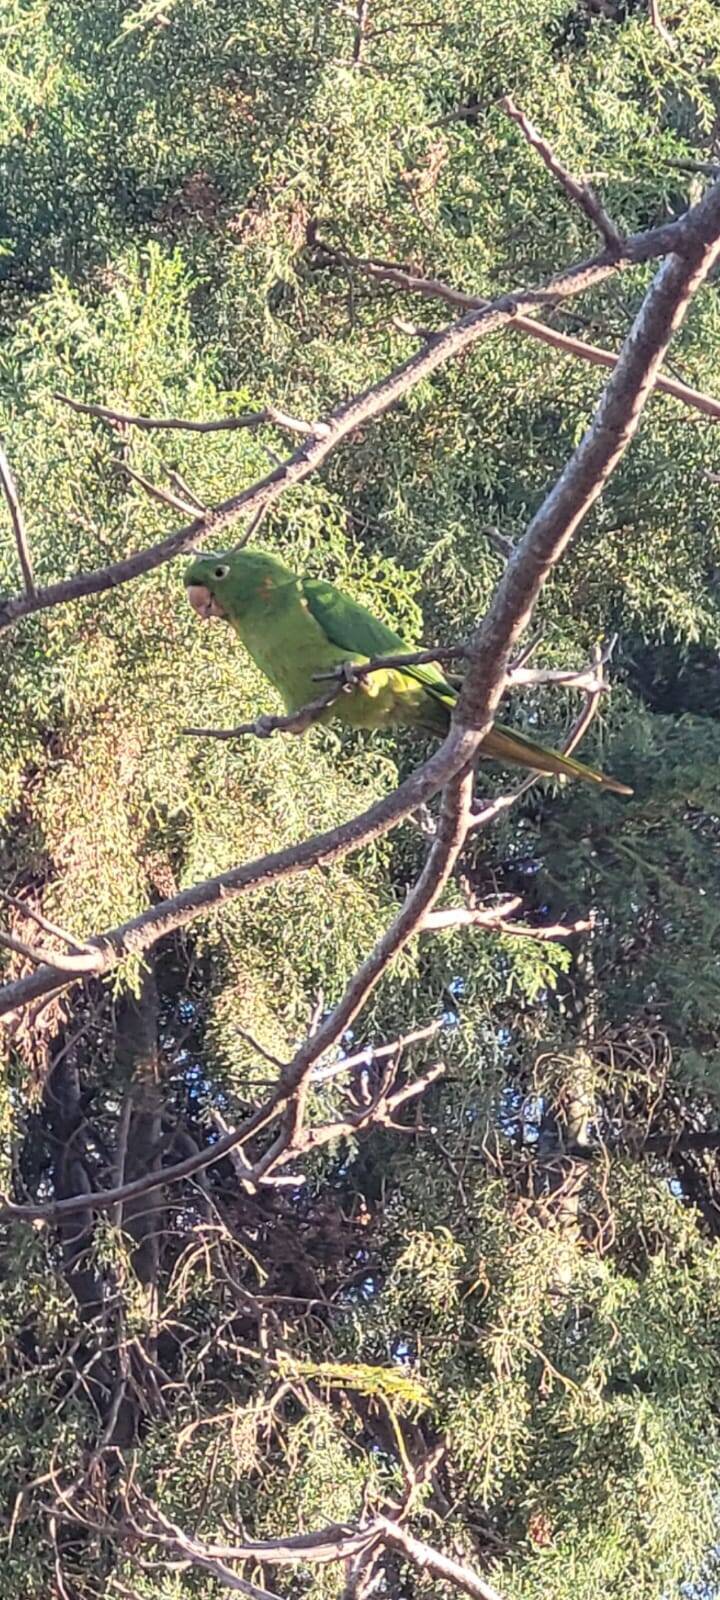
524,1278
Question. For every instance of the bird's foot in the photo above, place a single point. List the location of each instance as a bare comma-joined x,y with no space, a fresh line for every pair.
347,676
264,725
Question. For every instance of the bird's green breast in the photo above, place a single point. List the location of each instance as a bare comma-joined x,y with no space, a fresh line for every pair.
290,647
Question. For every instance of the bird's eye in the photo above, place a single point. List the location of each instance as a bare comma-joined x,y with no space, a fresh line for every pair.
221,572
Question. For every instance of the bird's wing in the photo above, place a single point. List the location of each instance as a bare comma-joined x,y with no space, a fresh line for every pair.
353,628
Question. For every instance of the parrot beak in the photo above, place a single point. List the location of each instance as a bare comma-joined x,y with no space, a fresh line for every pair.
203,601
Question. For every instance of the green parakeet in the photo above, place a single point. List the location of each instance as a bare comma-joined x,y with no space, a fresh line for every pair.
295,628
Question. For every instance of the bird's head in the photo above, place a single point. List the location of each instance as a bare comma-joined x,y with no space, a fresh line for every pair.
224,583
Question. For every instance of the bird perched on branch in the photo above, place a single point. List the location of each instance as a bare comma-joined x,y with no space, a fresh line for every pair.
297,629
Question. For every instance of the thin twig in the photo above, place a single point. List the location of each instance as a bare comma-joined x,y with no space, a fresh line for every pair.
156,492
12,499
581,193
657,23
593,689
351,671
185,491
251,419
519,676
267,1055
43,922
496,921
373,1053
83,962
263,727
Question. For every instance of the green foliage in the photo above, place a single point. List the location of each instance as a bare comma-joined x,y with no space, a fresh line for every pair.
510,1271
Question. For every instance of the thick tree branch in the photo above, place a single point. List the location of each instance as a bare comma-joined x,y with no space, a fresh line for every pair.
334,1543
434,1562
613,426
337,1542
360,31
140,933
254,501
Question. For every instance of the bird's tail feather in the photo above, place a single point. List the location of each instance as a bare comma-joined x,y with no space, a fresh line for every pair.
504,744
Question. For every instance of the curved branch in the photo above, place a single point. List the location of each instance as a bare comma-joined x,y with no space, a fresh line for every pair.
251,419
613,426
615,422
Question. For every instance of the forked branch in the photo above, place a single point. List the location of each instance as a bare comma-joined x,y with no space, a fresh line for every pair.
580,193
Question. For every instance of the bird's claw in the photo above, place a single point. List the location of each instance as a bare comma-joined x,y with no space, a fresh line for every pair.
346,674
263,726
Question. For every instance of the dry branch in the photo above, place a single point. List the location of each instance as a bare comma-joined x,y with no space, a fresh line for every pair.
292,722
407,279
373,402
518,676
140,933
337,1542
657,23
451,833
156,492
615,422
77,963
580,193
496,921
373,1053
251,419
613,426
42,921
434,1562
334,1543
